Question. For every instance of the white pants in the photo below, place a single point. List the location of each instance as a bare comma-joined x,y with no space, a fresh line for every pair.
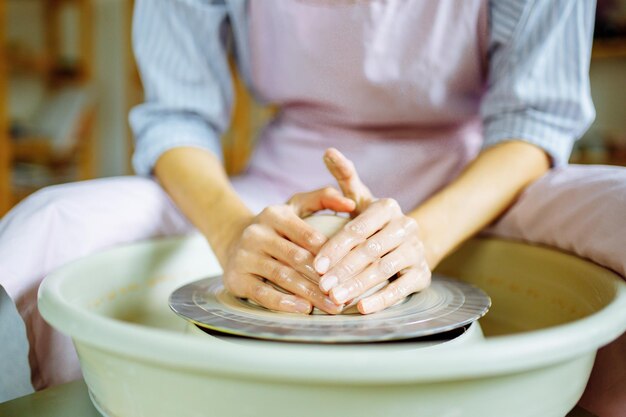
580,209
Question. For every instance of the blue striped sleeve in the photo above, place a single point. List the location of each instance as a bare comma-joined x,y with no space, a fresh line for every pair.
180,50
538,85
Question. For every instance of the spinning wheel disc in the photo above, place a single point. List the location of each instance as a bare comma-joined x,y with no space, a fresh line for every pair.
446,305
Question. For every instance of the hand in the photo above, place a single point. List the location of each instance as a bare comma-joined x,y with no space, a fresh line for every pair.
278,246
377,244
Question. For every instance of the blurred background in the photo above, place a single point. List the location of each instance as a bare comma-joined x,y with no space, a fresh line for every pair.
68,80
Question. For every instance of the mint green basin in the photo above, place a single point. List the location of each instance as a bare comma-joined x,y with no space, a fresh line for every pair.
551,312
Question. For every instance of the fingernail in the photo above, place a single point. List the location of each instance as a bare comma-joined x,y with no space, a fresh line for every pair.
339,294
328,282
302,306
368,306
322,264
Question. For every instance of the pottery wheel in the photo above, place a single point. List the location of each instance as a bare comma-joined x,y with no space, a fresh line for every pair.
446,305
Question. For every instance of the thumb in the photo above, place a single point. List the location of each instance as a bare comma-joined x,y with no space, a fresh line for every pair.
348,179
327,198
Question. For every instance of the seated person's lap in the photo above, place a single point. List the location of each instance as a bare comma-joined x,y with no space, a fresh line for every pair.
577,208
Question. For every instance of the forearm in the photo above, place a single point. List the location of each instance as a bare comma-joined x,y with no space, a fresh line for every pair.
196,181
484,190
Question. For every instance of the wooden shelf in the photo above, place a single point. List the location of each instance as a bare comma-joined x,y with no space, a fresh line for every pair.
37,150
73,156
23,65
5,148
609,48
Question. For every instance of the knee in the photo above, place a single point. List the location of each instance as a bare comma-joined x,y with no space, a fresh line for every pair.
56,200
614,176
608,185
583,183
87,195
49,199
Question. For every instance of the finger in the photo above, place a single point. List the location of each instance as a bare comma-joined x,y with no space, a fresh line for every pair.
369,251
411,281
290,254
373,219
267,296
347,177
287,278
384,268
327,198
287,224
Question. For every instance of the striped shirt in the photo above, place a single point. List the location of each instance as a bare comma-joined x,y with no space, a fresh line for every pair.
537,87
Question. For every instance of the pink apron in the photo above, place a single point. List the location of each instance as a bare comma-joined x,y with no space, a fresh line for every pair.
384,82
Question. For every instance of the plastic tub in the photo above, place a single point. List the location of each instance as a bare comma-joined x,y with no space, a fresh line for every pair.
551,312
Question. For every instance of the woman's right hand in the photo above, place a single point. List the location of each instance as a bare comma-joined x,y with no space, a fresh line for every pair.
279,247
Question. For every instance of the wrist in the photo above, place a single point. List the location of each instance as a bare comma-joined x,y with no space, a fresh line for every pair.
434,248
222,239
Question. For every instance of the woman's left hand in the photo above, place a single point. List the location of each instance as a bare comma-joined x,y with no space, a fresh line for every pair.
378,243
